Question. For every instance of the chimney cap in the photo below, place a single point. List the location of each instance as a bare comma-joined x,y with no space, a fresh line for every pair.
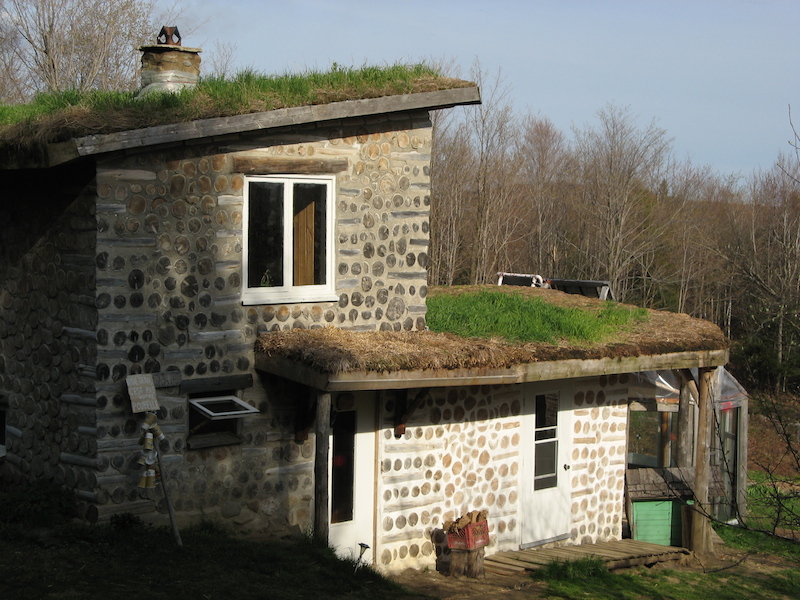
169,36
168,39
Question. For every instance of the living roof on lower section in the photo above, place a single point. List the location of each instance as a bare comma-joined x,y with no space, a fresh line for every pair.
336,359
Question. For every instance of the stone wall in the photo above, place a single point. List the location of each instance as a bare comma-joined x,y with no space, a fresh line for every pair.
599,458
169,283
462,451
47,323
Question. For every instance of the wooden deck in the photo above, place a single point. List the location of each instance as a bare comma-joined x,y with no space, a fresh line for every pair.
617,555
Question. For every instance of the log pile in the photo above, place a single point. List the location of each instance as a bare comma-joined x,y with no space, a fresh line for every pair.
459,525
466,540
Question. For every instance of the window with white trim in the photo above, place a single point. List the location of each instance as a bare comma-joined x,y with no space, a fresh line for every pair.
288,239
545,454
217,420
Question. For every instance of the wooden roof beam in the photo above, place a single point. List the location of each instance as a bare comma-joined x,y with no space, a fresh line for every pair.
539,371
137,139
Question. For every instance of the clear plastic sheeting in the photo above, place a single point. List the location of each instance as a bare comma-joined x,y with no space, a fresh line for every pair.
731,392
656,439
654,390
663,388
654,385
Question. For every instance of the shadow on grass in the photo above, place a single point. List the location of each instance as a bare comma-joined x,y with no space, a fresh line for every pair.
140,561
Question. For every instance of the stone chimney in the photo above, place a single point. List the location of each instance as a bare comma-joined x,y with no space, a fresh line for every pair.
167,66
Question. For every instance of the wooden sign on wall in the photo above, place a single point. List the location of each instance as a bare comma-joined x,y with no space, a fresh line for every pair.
142,391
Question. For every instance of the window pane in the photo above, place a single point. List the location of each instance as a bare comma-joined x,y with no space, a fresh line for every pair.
650,437
546,434
265,235
544,461
343,469
545,482
546,410
309,233
545,451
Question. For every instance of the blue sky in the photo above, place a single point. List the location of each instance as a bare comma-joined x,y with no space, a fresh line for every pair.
718,76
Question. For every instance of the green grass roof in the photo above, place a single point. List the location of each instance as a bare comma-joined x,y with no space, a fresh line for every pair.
55,117
483,330
495,313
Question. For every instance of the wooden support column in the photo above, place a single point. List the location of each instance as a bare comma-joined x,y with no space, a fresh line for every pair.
701,523
323,433
741,458
685,447
664,451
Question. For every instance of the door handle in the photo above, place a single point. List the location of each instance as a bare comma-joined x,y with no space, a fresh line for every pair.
567,467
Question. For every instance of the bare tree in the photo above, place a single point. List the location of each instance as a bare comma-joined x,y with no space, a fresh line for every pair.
761,243
494,216
546,183
220,60
475,188
620,166
685,274
79,44
57,45
12,86
452,163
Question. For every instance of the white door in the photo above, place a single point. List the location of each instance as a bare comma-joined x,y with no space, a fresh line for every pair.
352,475
545,482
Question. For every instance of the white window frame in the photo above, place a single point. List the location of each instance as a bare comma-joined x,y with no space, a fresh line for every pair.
289,292
205,406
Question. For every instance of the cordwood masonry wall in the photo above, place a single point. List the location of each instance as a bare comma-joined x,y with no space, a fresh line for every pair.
599,458
136,267
463,451
47,314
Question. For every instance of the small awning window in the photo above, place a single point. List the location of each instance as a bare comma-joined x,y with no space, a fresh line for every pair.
217,408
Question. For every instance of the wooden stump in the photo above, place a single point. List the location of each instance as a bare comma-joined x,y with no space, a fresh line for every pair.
467,563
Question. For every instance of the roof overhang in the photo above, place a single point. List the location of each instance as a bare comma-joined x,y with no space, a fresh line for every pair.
523,373
93,145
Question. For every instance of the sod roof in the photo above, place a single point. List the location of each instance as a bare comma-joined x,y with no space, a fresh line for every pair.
62,127
663,340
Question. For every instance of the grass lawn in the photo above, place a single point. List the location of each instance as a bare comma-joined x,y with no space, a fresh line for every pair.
772,508
668,584
726,579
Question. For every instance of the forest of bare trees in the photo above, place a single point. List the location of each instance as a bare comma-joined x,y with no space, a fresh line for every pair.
611,201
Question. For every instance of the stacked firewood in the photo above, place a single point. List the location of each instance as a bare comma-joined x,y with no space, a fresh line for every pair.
475,516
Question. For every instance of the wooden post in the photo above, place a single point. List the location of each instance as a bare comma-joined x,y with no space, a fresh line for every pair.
467,563
175,532
666,444
701,524
741,458
323,432
683,454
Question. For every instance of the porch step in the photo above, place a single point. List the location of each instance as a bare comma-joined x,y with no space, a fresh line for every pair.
616,555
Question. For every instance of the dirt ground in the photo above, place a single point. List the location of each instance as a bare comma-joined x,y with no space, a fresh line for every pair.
762,440
432,583
496,587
